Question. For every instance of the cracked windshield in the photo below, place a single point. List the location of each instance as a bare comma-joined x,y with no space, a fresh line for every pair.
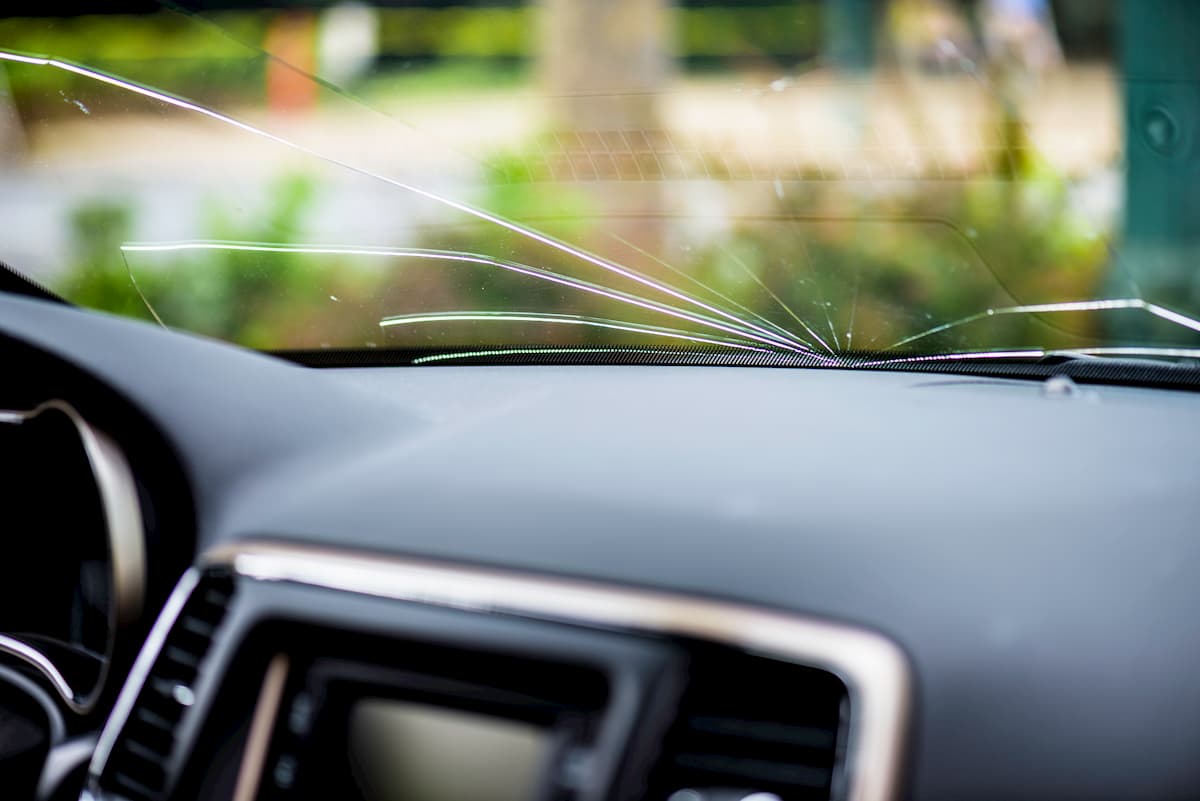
840,182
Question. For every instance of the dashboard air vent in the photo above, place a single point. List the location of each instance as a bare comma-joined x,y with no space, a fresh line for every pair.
137,767
751,724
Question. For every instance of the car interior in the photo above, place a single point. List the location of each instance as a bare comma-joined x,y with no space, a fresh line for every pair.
621,400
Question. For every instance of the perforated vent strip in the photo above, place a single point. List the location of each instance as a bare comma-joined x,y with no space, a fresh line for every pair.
138,766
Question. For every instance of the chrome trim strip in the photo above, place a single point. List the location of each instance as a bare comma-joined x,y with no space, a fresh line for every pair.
32,656
875,670
141,669
126,532
126,545
258,742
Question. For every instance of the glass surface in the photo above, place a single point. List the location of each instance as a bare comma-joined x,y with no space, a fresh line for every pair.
895,180
411,752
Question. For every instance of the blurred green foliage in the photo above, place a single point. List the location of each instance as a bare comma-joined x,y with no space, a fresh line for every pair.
112,37
827,258
887,268
166,50
429,79
265,300
481,45
458,31
862,273
788,31
99,276
235,294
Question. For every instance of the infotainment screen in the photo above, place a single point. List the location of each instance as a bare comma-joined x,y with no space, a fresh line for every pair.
403,751
437,725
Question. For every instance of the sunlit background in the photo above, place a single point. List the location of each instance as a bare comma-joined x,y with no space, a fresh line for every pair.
826,177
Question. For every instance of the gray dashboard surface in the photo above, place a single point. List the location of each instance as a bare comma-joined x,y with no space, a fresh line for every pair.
1037,557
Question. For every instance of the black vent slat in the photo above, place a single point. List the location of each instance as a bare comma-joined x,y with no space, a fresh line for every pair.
148,753
755,770
139,764
147,773
165,688
154,720
181,657
197,626
215,598
165,712
752,724
802,736
134,787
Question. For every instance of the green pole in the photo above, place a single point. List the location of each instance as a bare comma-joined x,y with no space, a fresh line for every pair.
850,33
1159,257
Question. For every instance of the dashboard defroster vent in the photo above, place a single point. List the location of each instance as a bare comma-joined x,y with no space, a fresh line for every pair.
138,765
751,724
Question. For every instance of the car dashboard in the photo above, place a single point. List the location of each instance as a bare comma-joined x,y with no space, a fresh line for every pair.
603,582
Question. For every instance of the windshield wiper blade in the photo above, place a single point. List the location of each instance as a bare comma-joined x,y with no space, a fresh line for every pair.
1036,309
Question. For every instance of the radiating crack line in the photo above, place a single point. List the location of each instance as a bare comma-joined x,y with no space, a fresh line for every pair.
792,337
559,319
140,294
325,83
754,276
493,352
480,214
853,307
453,256
1052,308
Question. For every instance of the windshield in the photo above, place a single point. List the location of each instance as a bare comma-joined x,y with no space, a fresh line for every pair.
899,180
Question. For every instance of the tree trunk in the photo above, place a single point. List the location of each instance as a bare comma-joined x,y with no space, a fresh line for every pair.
603,62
